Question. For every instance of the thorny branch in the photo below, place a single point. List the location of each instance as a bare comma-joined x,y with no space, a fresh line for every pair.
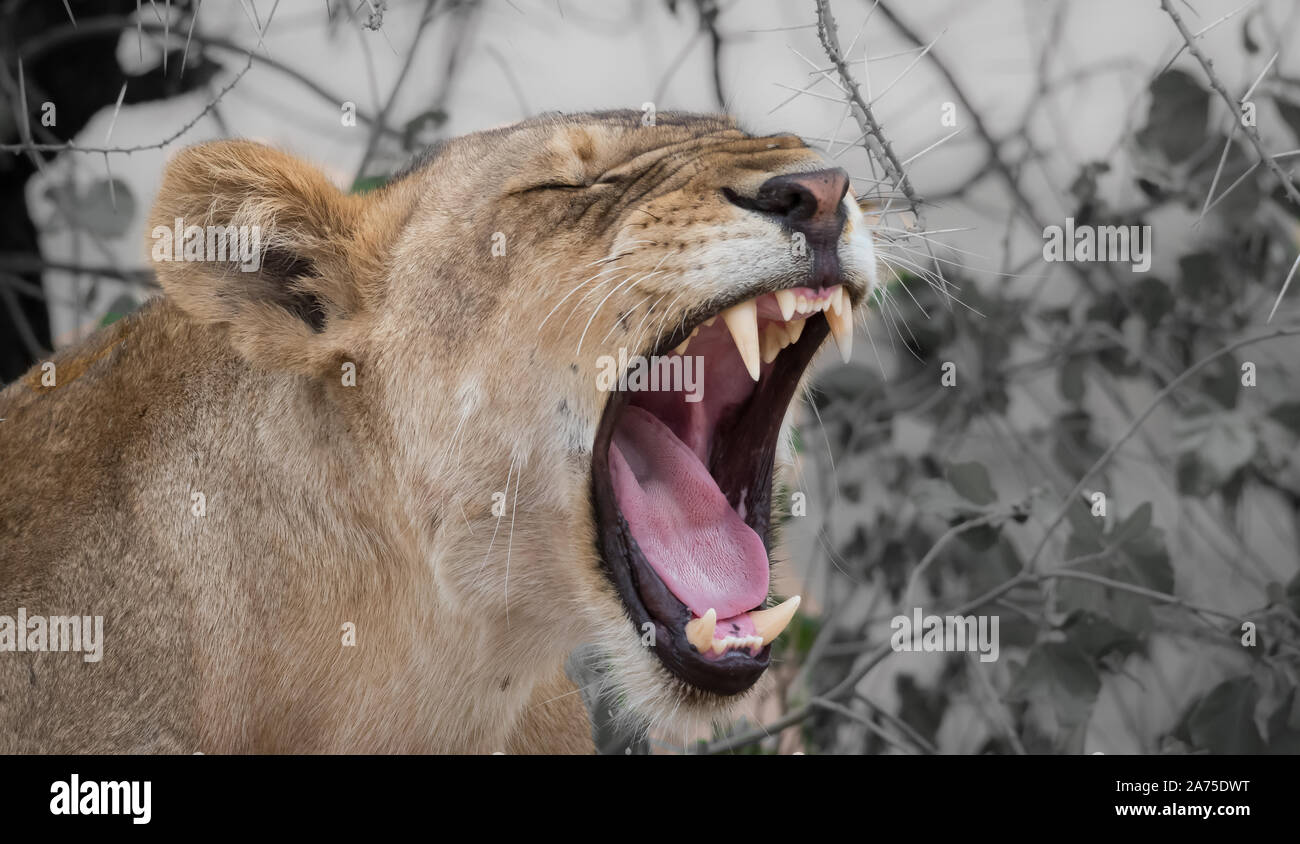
1233,106
828,34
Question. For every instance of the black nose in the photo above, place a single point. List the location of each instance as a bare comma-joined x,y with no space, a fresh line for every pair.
806,202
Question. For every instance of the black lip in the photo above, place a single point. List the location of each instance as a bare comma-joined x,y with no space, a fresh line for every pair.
646,597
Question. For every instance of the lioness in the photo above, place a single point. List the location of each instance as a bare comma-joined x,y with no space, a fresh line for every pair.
368,495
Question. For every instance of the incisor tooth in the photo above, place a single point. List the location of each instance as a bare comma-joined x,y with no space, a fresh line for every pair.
842,327
742,322
772,337
837,298
785,300
770,622
699,631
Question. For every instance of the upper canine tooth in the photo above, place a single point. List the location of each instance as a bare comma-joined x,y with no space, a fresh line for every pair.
742,322
770,622
785,300
841,323
699,631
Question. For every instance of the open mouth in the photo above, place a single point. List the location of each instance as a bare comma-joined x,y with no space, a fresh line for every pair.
682,483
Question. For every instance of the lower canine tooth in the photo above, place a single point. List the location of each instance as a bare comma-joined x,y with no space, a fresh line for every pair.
795,329
772,337
681,350
842,327
699,631
770,622
742,322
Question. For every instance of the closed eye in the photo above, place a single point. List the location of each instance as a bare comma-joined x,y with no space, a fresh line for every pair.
550,186
604,180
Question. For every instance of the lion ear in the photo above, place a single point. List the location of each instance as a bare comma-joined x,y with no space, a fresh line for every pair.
250,237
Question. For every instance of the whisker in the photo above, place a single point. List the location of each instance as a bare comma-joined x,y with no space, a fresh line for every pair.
570,293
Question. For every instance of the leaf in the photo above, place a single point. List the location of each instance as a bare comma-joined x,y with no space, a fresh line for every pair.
1290,113
1097,637
1212,446
1287,414
1073,446
1136,525
120,307
366,184
1125,610
971,480
1070,379
1222,381
105,209
1140,558
1194,477
1062,676
1293,594
1245,195
937,498
1153,300
1086,526
980,538
1177,117
1247,40
1199,276
423,129
1144,561
989,568
1223,722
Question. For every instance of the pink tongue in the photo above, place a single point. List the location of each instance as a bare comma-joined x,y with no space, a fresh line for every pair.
704,553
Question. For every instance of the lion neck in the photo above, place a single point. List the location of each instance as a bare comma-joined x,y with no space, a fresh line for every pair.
451,634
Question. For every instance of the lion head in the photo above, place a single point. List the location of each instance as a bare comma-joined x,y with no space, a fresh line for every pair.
575,343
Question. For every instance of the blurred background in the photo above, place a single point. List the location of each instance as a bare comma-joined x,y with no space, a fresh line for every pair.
955,465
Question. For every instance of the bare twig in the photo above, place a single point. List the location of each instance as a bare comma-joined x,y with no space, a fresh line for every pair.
376,130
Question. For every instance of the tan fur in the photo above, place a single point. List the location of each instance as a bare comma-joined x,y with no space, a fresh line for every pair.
371,504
